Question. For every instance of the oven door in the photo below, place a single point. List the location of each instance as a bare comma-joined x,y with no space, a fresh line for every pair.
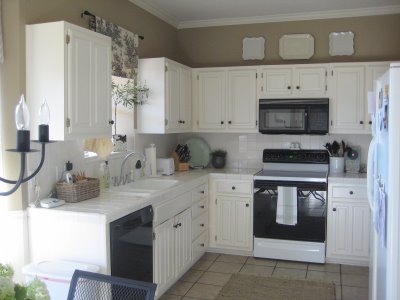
311,212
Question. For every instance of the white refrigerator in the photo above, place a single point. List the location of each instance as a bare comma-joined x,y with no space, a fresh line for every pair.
384,188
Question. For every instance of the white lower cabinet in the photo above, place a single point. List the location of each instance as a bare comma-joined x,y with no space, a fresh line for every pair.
231,214
348,225
200,222
233,222
172,249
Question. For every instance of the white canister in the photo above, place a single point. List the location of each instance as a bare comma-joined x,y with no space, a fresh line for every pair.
336,164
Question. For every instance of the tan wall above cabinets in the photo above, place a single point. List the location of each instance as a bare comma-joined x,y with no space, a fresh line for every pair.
160,38
225,99
377,38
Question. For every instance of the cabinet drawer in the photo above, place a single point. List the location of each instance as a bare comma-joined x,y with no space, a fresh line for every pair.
199,207
234,187
199,225
351,192
199,192
199,246
170,208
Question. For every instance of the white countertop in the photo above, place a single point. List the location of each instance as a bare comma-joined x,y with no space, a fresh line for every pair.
348,178
112,205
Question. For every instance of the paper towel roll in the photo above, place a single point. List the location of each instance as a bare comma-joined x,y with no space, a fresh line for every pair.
151,158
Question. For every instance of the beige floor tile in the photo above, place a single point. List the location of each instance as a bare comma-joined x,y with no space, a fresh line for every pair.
324,276
191,276
346,269
204,291
354,293
210,256
355,280
289,273
338,292
170,297
214,278
202,265
257,270
324,267
261,262
180,288
291,265
232,258
223,267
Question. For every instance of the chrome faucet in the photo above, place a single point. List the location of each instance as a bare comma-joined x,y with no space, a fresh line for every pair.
123,179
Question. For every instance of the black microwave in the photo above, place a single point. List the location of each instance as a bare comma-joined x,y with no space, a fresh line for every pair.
294,116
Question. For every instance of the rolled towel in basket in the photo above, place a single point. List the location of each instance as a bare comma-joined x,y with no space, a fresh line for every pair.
286,208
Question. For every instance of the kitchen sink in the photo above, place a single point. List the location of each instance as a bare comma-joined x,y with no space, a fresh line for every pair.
146,186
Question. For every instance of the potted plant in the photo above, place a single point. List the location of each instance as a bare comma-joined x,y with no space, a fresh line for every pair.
218,158
35,290
128,93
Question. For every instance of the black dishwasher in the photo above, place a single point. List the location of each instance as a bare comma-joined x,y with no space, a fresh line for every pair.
131,240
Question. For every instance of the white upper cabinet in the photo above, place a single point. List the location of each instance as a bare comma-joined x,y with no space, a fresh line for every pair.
70,66
168,109
241,99
347,98
225,99
293,81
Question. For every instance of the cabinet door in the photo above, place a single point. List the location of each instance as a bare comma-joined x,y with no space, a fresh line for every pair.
185,99
89,85
164,254
310,81
361,230
347,103
211,99
242,101
172,94
233,222
339,227
277,82
183,240
348,229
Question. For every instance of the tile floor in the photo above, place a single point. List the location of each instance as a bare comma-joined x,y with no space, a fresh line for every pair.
207,277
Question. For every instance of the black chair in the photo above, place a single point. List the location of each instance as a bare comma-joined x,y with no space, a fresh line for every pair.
94,286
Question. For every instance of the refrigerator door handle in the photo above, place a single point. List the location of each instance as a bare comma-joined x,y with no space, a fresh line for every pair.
370,172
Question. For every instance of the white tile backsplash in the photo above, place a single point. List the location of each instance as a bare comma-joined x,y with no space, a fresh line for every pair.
245,150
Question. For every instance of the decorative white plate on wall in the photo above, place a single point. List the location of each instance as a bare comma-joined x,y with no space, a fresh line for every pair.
296,46
341,43
253,48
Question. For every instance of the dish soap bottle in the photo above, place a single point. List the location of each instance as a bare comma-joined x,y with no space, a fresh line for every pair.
104,175
138,170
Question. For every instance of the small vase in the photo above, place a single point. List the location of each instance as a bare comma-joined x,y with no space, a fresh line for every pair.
218,162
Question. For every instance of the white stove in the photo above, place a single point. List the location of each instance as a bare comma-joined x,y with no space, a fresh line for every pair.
304,173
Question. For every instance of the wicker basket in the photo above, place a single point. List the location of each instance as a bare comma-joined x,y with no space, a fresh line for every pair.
79,191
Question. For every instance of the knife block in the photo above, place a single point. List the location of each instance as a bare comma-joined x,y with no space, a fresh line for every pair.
179,166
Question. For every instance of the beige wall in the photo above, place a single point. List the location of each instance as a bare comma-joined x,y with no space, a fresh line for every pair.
376,38
160,40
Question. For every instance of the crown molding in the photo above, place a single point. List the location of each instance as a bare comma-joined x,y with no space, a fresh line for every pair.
171,20
333,14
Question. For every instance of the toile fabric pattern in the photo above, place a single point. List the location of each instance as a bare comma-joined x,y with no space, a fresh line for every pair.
124,47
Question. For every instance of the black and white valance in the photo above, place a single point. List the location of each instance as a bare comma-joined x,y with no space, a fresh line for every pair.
124,47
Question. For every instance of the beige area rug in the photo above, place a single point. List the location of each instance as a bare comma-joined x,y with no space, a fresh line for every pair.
241,287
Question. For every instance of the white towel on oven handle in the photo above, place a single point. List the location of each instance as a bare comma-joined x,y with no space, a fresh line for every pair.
286,208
